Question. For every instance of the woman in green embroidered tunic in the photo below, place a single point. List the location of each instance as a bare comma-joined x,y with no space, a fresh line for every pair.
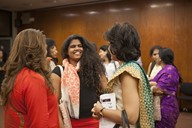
129,82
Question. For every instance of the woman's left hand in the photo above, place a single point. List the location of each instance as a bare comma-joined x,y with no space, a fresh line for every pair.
96,110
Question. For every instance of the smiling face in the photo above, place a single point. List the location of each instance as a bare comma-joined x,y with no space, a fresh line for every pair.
75,51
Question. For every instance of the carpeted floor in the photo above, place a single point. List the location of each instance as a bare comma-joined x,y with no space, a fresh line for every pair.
184,121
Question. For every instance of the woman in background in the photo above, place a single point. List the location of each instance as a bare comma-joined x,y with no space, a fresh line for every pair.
154,66
51,53
110,65
27,93
83,77
165,84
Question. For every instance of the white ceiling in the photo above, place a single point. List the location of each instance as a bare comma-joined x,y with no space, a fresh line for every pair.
23,5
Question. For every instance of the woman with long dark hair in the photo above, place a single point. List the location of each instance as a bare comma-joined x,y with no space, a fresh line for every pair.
83,77
154,66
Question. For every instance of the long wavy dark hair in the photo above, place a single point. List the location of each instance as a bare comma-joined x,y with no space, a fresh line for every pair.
28,50
91,67
124,42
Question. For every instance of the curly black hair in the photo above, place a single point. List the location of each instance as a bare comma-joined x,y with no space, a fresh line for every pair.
124,42
91,67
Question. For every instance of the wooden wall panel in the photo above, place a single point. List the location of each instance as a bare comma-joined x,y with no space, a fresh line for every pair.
167,23
156,27
183,39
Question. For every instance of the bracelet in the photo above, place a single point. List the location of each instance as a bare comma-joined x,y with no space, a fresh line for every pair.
100,113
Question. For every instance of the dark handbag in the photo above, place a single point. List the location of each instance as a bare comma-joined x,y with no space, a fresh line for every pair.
125,122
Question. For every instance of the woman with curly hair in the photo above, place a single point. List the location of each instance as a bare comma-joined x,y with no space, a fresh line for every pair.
82,77
129,82
27,93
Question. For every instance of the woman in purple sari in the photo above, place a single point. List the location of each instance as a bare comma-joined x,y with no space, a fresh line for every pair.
165,84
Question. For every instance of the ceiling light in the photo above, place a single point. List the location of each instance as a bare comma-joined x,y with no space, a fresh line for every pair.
92,12
114,10
154,6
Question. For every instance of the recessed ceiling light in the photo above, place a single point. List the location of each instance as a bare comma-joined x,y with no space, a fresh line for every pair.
154,6
92,12
114,10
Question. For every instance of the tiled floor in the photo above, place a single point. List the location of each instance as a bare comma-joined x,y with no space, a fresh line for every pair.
184,121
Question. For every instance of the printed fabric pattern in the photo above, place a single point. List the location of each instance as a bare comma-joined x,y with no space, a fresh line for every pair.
168,80
71,82
146,116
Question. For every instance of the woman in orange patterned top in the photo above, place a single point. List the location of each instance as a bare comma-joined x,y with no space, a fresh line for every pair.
81,78
27,93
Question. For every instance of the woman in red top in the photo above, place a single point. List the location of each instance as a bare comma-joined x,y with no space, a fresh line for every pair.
27,93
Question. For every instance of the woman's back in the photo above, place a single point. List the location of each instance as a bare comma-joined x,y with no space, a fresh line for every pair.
21,109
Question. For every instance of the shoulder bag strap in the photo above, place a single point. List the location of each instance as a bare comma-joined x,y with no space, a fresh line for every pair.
125,121
115,65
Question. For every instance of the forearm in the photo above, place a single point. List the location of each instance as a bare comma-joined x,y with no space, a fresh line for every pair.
113,115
